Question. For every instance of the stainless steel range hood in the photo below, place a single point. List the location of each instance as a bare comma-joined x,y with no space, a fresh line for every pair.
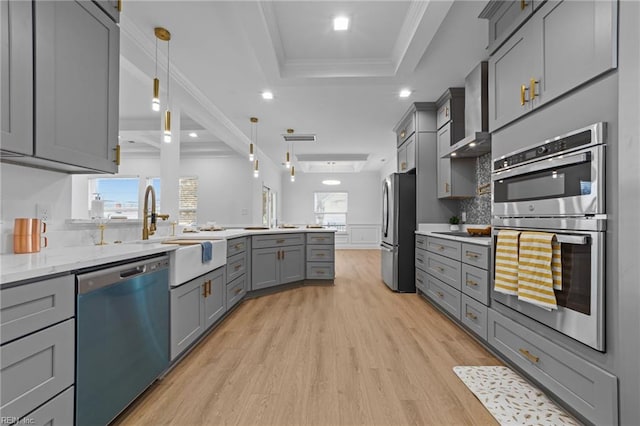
477,140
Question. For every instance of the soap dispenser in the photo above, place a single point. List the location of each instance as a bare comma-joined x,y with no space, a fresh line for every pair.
97,206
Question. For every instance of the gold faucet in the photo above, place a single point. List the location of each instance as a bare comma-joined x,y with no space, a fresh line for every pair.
151,228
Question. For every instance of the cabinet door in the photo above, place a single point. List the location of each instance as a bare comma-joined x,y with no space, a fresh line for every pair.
402,158
444,164
578,40
265,264
411,152
214,302
58,411
292,264
510,71
16,76
506,19
76,84
187,314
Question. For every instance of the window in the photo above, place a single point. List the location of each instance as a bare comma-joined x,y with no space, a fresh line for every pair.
330,209
120,195
188,203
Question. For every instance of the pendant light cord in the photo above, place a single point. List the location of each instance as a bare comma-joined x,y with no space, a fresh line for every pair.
156,74
168,72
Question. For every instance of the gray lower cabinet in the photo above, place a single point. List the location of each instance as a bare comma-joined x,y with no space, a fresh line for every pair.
277,259
236,291
238,270
445,269
16,76
195,306
475,283
320,256
76,85
473,314
445,296
58,411
564,45
587,388
31,307
35,368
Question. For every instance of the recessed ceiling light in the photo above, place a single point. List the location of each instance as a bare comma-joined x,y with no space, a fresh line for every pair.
453,154
193,134
405,93
267,95
472,144
340,23
331,182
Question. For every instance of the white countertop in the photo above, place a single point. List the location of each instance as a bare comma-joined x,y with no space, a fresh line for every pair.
431,230
19,267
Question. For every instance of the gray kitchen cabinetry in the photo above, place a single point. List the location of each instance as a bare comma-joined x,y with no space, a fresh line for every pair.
407,155
111,8
195,306
237,270
320,256
454,276
456,176
37,356
53,413
505,17
17,77
75,66
277,259
564,45
587,388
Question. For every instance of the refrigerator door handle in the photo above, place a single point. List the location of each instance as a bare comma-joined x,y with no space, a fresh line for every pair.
385,207
388,250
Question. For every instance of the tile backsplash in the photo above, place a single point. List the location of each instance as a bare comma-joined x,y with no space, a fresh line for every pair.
478,208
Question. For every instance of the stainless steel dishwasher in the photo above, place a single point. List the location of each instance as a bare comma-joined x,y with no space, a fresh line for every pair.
122,338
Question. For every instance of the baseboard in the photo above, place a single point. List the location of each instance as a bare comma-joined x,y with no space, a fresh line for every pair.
357,246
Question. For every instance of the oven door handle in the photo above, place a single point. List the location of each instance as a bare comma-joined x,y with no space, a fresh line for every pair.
543,165
573,239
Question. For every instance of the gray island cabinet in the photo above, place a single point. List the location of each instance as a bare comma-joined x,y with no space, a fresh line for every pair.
60,69
37,356
277,259
238,250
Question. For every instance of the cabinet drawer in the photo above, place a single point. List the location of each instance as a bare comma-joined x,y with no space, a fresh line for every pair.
421,259
421,280
444,247
445,296
236,291
406,129
235,246
320,253
475,255
36,367
585,387
475,283
236,266
421,241
58,411
31,307
320,270
444,269
443,116
320,238
262,241
473,314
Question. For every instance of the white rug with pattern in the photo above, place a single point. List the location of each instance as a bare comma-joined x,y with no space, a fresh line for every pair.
511,399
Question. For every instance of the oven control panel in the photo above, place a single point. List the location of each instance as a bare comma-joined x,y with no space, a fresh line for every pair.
550,148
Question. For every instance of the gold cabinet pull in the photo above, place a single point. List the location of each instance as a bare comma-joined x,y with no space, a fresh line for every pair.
238,246
278,254
119,5
320,254
204,289
446,111
117,159
320,272
529,356
523,99
402,133
440,268
209,287
472,316
238,290
280,241
446,187
523,4
403,165
440,248
472,283
440,295
532,88
472,255
419,280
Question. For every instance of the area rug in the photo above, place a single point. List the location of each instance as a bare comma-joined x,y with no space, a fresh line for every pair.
510,399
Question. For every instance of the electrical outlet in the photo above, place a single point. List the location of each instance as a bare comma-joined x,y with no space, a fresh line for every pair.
43,212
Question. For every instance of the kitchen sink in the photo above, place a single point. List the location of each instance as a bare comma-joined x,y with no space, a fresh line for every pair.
186,262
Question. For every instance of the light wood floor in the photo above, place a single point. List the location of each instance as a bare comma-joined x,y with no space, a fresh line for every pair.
350,354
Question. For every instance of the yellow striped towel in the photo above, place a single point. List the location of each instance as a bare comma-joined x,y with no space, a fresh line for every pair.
506,274
556,264
535,277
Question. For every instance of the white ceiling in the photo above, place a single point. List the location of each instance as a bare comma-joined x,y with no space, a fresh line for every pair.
343,87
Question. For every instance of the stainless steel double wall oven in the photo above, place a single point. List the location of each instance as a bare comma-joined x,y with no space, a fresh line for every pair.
559,186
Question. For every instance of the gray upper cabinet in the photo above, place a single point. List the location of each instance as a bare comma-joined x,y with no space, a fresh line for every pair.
456,176
76,85
564,45
111,8
505,17
407,155
16,76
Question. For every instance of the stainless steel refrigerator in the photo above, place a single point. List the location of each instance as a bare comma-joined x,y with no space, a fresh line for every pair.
398,231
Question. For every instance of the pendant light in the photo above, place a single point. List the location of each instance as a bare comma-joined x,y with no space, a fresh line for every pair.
293,174
163,35
167,113
287,158
254,131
